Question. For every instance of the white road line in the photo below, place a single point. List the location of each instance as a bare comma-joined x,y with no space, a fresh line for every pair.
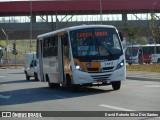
4,97
116,108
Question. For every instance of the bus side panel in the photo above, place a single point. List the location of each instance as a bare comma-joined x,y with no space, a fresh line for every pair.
52,69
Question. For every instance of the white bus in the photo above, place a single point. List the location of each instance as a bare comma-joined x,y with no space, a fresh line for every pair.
149,53
155,58
87,55
132,54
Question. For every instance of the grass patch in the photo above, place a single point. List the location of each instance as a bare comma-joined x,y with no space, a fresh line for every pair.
23,45
144,67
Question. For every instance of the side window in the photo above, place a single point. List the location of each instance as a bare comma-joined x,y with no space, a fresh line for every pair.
54,43
45,47
37,48
50,46
151,50
140,52
158,49
116,41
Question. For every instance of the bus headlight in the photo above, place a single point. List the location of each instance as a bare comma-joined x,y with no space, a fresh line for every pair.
79,67
121,64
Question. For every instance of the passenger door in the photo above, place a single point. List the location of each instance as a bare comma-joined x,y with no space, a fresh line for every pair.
63,54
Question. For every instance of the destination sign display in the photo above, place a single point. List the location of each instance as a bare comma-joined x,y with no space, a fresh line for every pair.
91,34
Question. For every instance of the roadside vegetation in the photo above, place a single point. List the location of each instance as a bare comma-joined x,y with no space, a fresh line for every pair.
22,47
144,67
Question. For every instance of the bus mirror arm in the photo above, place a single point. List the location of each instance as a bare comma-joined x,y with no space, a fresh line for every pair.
120,35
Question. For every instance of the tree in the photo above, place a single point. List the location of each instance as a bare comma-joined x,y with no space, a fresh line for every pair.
131,32
154,29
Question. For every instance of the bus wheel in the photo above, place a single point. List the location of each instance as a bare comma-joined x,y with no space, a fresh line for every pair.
27,77
35,76
56,85
116,85
68,82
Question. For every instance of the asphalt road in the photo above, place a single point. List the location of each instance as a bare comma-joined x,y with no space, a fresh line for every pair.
140,92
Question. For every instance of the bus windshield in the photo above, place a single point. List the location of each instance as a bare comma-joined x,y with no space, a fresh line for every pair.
132,51
101,43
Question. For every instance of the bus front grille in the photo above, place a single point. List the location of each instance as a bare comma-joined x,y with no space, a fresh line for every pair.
103,69
101,77
93,69
108,68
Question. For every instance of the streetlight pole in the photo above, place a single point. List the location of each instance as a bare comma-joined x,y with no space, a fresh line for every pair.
30,43
153,4
101,17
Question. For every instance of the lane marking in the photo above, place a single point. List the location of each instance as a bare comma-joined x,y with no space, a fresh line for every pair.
116,108
4,97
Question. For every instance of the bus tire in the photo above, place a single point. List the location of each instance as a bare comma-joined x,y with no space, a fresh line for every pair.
35,76
27,77
56,85
69,84
116,85
68,81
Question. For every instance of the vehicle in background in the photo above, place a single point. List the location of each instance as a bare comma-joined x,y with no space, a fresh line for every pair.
139,54
30,66
149,50
132,54
156,56
88,55
125,44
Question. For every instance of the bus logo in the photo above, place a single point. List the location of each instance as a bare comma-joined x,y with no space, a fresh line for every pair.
88,65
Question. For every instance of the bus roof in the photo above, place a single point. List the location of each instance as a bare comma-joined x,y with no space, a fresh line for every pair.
147,45
75,28
134,46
